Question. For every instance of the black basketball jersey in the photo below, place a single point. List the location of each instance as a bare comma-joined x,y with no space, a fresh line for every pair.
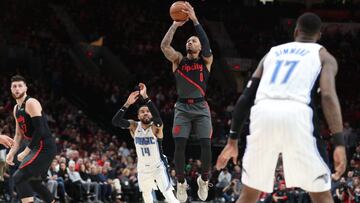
191,78
24,120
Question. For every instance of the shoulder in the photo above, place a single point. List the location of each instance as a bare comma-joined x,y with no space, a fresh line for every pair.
32,102
326,57
33,107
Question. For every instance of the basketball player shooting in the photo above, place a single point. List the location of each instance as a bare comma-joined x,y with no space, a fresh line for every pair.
192,112
283,119
148,135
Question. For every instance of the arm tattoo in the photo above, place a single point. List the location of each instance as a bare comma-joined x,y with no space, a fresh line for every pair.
168,36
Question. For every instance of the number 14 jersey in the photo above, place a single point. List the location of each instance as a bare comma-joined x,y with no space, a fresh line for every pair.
147,148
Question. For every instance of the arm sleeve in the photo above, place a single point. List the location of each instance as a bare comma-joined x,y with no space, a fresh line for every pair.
40,130
242,108
118,119
204,40
154,112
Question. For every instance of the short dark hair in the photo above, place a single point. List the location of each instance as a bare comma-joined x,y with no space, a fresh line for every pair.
18,78
143,105
309,23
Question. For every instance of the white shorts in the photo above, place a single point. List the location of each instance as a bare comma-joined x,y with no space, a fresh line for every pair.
154,178
283,126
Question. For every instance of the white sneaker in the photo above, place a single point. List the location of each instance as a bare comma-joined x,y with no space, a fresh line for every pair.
203,188
181,193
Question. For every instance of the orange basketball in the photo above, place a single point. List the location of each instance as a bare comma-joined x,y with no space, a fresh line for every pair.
176,12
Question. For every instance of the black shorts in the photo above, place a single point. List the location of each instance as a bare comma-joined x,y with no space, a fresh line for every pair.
38,161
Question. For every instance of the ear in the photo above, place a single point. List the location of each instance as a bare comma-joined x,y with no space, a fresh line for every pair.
318,36
296,32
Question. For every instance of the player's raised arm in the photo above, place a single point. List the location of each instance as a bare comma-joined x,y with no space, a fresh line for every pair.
152,108
204,40
118,119
331,108
170,53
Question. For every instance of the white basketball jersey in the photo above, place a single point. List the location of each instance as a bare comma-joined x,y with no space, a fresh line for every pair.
290,71
147,148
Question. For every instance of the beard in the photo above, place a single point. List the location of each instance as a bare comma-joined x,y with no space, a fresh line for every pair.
146,121
20,96
189,51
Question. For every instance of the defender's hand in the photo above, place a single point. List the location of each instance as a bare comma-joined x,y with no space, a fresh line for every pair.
339,162
230,151
132,98
6,141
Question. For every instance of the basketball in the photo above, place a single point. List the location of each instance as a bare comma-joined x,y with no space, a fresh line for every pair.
176,12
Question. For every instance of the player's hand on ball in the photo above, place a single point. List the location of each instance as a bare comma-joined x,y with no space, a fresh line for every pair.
229,151
190,11
132,98
339,162
10,159
6,141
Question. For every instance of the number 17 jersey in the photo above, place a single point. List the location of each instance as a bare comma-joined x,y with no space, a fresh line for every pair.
289,72
147,148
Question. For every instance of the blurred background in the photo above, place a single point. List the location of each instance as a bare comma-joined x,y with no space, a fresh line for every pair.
82,58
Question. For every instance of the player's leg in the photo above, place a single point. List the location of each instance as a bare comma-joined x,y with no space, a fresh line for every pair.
146,186
321,197
42,191
248,195
163,182
23,188
36,165
181,131
304,167
147,196
262,149
203,130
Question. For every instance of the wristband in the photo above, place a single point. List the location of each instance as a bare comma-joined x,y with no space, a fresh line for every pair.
337,139
233,135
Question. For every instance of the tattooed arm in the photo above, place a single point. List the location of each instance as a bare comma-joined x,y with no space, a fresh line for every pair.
170,53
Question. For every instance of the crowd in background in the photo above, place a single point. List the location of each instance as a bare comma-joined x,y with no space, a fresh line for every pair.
95,163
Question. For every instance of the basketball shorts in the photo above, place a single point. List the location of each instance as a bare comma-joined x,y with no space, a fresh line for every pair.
283,126
154,178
